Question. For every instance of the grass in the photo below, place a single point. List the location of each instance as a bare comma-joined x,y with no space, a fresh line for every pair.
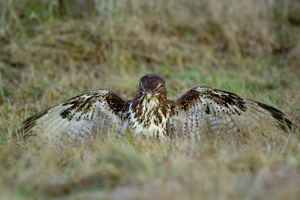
49,53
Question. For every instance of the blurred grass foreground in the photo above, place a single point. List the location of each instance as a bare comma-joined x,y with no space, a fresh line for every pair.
52,50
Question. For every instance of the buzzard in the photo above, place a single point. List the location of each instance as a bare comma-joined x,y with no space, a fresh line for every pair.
201,110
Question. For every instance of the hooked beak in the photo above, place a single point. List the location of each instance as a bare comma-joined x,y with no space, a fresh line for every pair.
149,96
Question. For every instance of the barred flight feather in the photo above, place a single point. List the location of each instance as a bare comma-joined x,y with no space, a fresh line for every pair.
202,110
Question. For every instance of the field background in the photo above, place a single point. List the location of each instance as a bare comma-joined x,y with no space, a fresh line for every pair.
52,50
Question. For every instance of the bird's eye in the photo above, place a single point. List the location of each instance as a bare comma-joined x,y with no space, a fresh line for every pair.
157,87
143,89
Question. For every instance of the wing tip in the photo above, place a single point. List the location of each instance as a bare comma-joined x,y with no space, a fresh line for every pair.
27,125
284,122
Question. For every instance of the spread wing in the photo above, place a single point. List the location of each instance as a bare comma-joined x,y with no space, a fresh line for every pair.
207,110
79,118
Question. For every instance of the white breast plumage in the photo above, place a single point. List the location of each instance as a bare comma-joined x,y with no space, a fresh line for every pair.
149,121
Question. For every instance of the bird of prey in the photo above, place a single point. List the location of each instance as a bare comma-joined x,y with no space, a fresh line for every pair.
201,110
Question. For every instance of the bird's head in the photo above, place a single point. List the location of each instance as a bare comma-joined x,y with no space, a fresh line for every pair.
151,89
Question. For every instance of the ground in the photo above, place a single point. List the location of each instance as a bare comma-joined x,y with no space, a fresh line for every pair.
51,51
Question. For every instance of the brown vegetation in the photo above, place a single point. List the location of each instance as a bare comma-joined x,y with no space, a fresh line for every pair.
53,50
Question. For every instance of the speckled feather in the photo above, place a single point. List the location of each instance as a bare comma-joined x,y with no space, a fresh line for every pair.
79,119
202,110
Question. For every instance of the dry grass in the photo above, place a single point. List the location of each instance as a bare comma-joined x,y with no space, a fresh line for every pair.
49,53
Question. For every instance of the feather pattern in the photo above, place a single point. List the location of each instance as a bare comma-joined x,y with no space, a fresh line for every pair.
80,118
204,110
201,110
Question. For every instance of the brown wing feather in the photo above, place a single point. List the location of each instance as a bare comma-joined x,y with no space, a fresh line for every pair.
204,110
78,118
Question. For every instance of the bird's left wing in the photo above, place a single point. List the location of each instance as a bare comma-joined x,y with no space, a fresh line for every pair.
204,110
78,118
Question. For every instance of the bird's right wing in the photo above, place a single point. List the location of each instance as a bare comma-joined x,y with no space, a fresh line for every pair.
80,118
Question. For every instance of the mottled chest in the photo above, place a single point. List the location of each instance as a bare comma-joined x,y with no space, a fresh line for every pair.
149,120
